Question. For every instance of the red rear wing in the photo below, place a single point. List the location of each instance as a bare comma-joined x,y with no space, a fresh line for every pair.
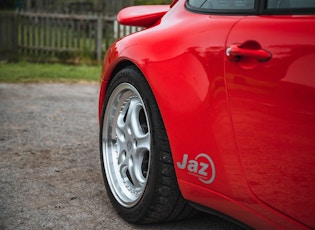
143,16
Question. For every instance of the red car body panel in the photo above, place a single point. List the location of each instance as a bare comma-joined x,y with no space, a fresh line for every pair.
142,16
273,107
241,132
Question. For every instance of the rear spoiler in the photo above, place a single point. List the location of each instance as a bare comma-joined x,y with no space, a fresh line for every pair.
142,16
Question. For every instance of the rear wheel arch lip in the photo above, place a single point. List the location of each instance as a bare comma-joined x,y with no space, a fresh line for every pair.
111,71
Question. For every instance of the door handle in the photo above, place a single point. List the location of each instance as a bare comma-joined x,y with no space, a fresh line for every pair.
236,51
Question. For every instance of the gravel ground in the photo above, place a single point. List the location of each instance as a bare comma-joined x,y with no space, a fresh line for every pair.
49,162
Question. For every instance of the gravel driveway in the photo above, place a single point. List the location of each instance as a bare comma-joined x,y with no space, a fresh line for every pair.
49,162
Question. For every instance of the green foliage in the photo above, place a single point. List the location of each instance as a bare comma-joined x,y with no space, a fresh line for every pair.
152,2
35,72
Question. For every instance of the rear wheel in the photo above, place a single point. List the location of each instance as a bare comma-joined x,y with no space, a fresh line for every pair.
136,159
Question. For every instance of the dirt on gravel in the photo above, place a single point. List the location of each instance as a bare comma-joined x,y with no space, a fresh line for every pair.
49,162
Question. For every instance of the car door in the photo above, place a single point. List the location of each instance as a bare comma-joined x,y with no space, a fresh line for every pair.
270,72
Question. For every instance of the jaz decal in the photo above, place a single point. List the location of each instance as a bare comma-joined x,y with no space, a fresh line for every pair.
202,167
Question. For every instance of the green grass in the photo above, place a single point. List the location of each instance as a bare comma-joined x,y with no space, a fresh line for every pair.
33,72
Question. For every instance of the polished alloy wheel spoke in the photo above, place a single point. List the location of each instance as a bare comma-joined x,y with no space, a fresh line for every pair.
132,142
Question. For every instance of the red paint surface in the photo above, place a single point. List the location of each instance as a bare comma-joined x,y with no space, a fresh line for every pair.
144,16
253,116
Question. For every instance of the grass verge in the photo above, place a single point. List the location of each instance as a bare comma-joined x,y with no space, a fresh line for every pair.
34,72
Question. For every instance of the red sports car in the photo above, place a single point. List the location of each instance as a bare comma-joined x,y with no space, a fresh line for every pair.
212,107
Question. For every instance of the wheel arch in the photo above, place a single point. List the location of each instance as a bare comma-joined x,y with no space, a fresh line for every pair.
107,76
132,63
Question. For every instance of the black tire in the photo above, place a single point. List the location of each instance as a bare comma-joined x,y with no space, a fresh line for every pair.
140,193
